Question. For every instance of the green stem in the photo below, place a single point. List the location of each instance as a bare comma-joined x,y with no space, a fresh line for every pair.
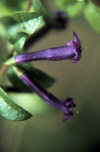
28,5
3,68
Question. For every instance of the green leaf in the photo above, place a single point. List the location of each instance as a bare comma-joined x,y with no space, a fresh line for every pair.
18,40
10,110
42,8
92,14
31,102
40,77
71,7
38,6
8,7
20,26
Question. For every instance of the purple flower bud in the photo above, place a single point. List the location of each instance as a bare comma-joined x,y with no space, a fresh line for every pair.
61,18
66,106
71,51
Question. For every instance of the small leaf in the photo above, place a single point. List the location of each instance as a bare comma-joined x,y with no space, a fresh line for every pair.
10,110
22,22
8,7
42,8
92,14
18,40
20,26
40,77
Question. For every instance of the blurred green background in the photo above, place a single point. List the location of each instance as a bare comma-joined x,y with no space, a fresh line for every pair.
45,131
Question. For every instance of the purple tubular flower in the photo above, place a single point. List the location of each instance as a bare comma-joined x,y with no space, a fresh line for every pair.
71,51
66,106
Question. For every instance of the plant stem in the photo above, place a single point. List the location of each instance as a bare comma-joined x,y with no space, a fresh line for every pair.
3,68
28,5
